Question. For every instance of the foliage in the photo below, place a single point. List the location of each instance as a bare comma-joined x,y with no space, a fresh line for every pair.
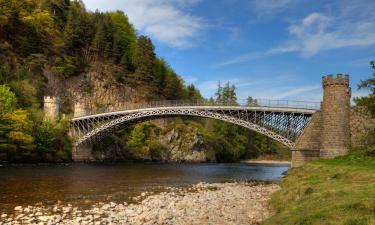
142,141
250,101
226,95
45,137
230,142
15,125
19,130
368,101
328,191
8,100
65,66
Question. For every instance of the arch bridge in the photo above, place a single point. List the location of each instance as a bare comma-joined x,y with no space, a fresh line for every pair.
310,129
280,120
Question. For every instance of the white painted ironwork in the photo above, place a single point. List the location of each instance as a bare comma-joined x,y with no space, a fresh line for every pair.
283,124
269,103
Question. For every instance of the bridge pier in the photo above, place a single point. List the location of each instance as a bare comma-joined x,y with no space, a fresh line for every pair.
82,153
328,133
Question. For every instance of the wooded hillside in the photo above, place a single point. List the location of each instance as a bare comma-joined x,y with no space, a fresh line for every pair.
58,48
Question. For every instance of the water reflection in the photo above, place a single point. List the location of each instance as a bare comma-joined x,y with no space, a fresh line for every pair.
87,183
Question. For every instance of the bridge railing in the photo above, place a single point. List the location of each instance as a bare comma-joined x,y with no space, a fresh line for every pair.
176,103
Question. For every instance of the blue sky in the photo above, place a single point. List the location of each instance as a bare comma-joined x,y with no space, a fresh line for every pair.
272,49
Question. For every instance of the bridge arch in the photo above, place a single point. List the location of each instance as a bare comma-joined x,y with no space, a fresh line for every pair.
259,121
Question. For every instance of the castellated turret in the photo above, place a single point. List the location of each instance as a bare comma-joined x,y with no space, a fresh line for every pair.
51,108
335,139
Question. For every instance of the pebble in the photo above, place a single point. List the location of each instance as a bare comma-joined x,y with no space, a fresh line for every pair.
218,203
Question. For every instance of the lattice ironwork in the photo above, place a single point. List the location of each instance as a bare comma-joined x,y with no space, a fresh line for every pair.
179,103
279,123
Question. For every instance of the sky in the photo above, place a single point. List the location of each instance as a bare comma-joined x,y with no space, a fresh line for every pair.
269,49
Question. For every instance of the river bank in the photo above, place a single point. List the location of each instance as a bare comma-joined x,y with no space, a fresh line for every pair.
328,191
203,203
276,162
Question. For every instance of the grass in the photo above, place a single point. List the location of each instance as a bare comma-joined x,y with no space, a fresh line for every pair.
328,191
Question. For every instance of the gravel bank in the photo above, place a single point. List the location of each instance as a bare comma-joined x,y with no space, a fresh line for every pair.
219,203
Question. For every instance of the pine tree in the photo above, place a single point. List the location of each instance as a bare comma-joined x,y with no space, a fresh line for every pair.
144,62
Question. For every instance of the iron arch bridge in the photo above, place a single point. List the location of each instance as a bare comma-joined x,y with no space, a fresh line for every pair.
280,120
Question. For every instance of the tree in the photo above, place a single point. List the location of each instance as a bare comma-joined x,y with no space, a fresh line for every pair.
250,101
65,65
368,101
193,93
59,10
219,93
226,95
45,137
78,31
145,60
19,130
231,141
124,39
8,100
161,72
174,86
44,25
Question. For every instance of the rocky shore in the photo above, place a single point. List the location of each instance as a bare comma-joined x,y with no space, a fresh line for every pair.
218,203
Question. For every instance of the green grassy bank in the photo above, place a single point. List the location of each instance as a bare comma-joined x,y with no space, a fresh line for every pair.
328,191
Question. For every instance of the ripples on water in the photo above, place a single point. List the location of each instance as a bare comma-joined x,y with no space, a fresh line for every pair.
89,183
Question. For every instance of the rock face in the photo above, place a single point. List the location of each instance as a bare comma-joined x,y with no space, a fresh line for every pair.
221,203
186,147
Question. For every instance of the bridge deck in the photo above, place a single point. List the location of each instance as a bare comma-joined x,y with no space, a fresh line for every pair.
209,108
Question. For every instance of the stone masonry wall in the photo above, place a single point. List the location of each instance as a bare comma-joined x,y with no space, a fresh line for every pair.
82,153
361,122
307,147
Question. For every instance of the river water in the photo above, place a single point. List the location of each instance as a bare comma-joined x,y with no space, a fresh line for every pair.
85,184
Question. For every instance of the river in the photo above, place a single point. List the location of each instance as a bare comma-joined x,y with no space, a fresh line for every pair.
85,184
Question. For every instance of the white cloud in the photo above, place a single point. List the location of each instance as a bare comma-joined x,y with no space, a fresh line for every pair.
316,33
165,20
241,58
280,90
282,87
190,79
298,91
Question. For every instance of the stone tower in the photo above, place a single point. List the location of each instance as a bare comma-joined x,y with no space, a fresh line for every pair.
335,108
51,108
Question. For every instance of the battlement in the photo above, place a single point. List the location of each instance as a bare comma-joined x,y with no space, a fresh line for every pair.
330,80
51,99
